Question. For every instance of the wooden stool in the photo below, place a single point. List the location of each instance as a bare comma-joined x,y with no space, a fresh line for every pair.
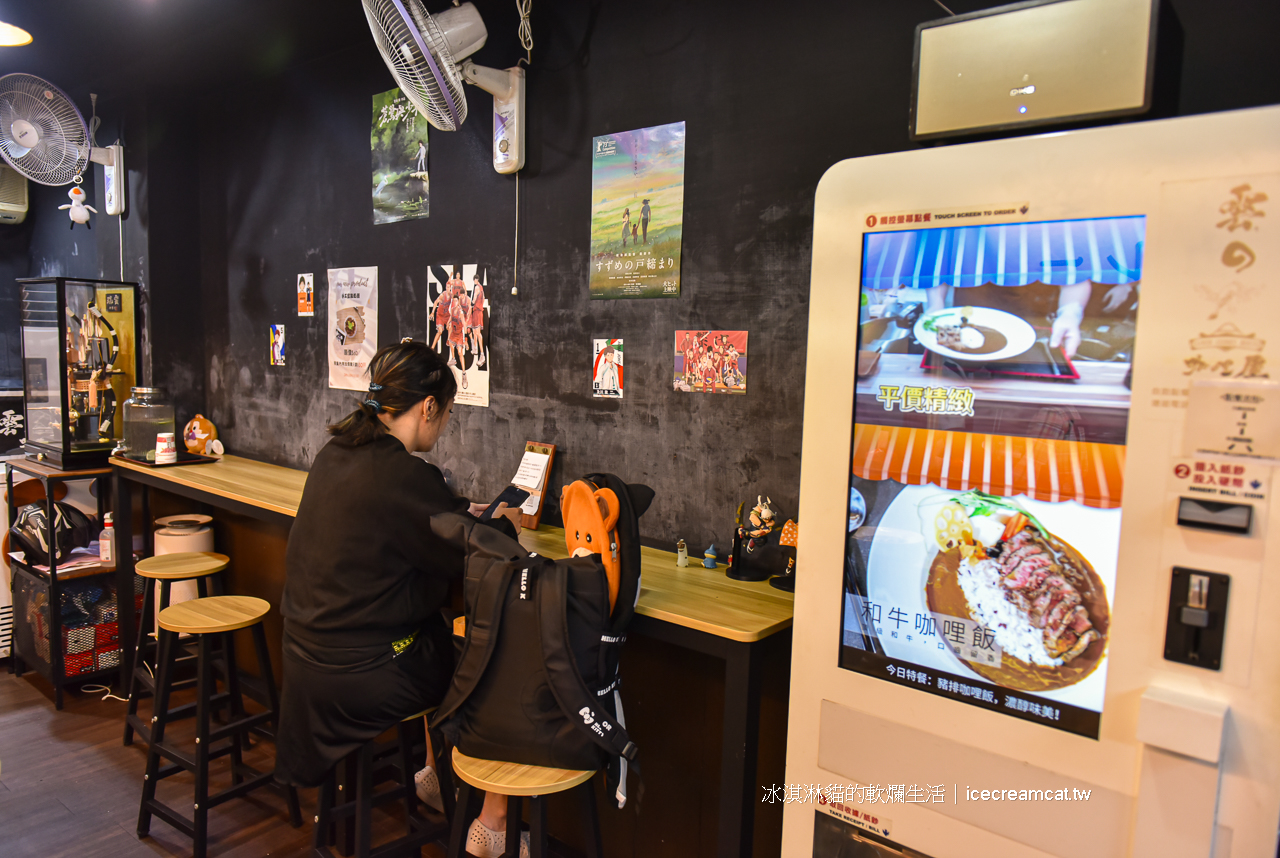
205,568
214,616
365,769
514,781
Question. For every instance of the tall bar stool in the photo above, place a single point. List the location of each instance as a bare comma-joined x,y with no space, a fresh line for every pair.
206,619
515,781
206,569
349,822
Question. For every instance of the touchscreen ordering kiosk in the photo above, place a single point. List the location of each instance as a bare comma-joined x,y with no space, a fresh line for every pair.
1035,613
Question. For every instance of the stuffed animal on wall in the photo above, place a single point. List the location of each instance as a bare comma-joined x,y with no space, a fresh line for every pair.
79,208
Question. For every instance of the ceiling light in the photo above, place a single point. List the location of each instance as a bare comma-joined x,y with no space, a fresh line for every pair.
13,37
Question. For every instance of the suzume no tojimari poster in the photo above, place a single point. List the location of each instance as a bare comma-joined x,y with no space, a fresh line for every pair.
637,212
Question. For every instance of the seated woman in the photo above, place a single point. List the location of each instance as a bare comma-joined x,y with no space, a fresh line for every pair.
365,645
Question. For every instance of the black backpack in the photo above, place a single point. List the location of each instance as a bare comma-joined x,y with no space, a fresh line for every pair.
537,682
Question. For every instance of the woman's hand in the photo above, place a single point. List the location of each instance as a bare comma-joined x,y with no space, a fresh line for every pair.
510,513
477,508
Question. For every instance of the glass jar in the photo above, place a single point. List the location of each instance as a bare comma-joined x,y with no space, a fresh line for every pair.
147,412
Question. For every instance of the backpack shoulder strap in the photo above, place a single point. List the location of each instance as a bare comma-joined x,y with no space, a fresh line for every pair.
490,567
576,700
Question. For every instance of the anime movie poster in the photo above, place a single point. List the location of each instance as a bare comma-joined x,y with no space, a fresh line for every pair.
353,326
711,361
458,314
306,295
277,345
398,141
606,369
637,213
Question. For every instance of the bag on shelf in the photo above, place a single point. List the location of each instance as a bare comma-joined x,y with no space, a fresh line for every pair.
537,682
31,532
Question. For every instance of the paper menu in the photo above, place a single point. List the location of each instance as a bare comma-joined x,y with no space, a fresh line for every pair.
531,475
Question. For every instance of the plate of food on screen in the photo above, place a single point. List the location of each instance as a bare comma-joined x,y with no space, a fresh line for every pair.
974,333
1040,606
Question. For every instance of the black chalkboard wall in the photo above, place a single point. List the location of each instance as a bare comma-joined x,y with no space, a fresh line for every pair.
257,169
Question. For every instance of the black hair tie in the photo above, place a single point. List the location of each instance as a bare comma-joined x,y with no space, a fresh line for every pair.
374,404
374,387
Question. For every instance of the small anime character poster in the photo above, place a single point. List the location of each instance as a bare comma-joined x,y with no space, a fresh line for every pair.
458,315
711,361
637,213
353,326
306,295
277,345
606,369
398,143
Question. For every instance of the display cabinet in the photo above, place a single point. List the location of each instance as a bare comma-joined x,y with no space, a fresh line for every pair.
79,361
65,621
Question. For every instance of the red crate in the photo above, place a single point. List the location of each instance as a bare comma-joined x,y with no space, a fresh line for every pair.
106,636
78,663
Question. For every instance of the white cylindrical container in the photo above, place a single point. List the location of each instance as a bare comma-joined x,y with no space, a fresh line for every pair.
176,534
166,449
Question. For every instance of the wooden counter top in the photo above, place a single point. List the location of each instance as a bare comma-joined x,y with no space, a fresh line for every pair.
269,487
694,597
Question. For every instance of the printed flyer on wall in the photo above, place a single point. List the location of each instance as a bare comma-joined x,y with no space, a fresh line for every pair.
353,326
987,462
606,369
637,212
398,143
711,362
277,345
458,314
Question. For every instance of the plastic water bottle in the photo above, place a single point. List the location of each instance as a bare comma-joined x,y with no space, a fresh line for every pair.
106,541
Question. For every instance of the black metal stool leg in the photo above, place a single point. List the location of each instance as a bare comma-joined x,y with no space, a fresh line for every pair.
139,661
204,691
235,704
405,742
537,827
467,810
587,796
363,799
513,828
164,666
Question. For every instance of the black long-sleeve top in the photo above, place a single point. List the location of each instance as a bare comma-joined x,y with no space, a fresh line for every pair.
363,566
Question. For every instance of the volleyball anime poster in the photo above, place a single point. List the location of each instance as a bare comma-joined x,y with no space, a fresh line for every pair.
458,315
606,369
711,361
353,326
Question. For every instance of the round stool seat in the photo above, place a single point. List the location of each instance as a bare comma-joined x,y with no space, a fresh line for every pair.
516,778
187,564
214,614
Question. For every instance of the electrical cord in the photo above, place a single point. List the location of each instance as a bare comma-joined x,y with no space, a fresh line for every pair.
944,8
524,8
94,689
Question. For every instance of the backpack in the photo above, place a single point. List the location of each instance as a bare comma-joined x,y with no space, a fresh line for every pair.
537,681
31,532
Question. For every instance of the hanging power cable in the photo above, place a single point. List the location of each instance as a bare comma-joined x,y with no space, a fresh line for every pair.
525,7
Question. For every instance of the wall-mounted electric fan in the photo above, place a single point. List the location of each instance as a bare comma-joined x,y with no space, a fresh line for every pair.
44,137
426,54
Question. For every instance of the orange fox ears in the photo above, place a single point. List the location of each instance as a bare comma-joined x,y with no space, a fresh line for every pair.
590,518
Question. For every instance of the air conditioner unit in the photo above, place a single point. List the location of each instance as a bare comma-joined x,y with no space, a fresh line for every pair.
13,196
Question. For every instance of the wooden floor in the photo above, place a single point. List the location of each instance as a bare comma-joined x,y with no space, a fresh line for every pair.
68,787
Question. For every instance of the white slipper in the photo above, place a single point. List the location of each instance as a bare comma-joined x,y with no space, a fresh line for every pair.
484,842
427,785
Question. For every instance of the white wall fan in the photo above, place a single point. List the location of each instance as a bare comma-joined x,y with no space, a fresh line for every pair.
44,137
427,54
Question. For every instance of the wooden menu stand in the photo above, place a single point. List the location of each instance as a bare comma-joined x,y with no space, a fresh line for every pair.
530,522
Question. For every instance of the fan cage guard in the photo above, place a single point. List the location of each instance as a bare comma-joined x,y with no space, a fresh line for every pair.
429,79
63,151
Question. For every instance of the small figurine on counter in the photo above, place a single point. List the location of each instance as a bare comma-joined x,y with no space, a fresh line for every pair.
682,554
709,557
198,433
79,208
760,524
